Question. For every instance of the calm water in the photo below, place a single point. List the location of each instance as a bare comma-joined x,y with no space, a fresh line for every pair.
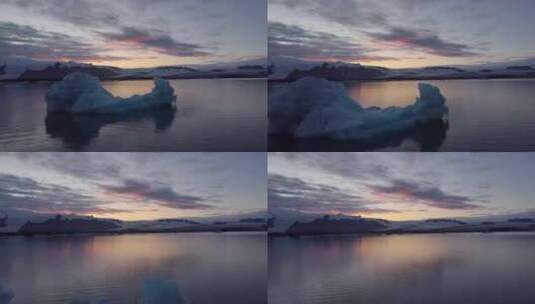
208,268
212,115
412,269
485,115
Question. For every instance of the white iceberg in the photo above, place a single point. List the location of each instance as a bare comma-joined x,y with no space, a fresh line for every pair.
82,93
317,108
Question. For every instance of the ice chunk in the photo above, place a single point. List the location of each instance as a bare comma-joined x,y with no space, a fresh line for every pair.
82,93
317,108
6,295
158,291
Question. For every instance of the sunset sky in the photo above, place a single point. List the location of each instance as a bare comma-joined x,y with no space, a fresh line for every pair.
132,186
402,186
133,33
402,33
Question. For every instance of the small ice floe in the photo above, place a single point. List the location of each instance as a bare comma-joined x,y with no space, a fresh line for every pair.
82,93
159,291
6,295
317,108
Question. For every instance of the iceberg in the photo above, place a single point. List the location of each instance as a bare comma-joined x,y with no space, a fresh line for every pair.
82,93
317,108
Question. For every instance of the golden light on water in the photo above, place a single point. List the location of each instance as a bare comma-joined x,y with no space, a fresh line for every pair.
397,252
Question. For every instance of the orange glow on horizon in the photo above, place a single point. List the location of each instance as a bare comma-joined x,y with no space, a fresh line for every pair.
401,63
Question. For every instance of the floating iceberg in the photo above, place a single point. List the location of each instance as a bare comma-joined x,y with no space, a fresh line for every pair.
317,108
82,93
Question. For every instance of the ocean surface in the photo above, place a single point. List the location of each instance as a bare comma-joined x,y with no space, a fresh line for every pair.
403,269
211,115
485,115
205,267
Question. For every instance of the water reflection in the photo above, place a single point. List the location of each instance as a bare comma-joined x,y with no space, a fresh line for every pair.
132,268
484,115
212,115
427,137
78,130
457,268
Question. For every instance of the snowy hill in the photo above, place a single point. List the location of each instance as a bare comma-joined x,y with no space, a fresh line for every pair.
73,224
60,224
290,70
53,71
328,225
295,224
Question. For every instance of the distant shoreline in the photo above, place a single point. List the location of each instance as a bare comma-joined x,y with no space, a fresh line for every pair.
401,232
134,231
497,77
137,78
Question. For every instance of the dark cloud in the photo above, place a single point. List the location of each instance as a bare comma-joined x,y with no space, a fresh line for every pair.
97,166
25,41
101,12
426,194
295,194
346,165
164,196
78,12
424,41
225,29
26,195
79,165
382,22
157,41
344,12
294,41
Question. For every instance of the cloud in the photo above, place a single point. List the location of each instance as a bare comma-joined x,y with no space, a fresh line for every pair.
207,30
424,41
387,22
96,166
164,196
428,195
157,41
78,12
296,42
343,12
89,166
26,195
26,41
342,164
295,194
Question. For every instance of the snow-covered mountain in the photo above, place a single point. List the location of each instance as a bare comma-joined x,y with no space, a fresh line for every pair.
292,69
297,223
69,224
26,70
